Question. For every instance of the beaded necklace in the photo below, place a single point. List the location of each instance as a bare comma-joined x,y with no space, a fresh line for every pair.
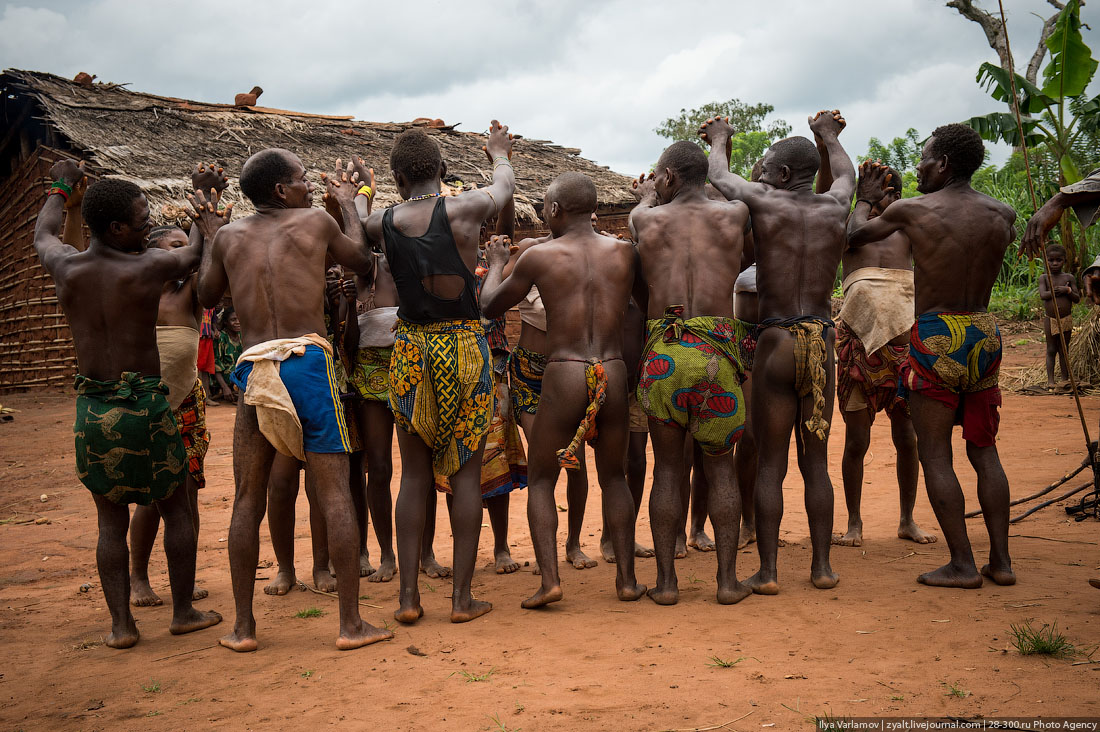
423,197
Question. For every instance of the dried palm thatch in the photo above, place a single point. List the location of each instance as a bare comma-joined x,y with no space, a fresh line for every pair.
1084,349
155,142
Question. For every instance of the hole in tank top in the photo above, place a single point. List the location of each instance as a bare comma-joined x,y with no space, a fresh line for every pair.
444,286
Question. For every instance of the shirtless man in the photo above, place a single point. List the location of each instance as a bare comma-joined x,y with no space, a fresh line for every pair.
274,263
744,458
128,448
689,248
872,343
586,280
441,382
958,237
799,238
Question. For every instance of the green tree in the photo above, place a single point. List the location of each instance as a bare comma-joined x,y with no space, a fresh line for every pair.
752,137
1058,120
902,154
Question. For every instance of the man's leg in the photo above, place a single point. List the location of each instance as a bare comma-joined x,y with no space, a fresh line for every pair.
724,502
327,478
635,479
465,511
498,519
609,450
993,496
774,411
417,486
933,422
1062,356
1051,351
813,463
905,442
857,439
324,570
744,465
180,548
110,558
143,533
193,501
700,497
378,451
282,494
576,500
666,506
685,496
358,486
252,458
428,563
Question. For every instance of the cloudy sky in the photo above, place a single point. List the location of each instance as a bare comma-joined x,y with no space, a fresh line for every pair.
594,75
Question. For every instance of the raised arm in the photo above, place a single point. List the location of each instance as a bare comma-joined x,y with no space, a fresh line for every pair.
874,180
482,204
47,230
498,293
645,190
1047,217
640,289
827,126
718,133
349,246
74,218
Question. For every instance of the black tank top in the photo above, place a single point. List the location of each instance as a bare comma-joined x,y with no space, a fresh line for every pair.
434,253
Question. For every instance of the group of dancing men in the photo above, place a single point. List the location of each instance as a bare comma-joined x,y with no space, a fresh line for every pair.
618,337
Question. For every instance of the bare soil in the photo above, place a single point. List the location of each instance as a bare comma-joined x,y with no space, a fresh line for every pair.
878,644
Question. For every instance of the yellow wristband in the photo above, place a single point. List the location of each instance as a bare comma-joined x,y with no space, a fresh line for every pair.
366,191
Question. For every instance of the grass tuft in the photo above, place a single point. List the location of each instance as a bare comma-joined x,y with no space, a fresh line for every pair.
471,677
153,687
1046,641
716,662
955,690
312,612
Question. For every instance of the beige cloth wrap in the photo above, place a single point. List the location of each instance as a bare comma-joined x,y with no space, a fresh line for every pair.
532,311
376,327
179,353
275,412
878,304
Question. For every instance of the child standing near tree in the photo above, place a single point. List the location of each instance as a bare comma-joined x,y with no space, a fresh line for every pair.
1059,293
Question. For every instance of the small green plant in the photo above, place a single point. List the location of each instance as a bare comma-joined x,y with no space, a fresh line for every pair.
897,697
716,662
154,713
471,677
692,579
955,690
312,612
429,587
364,597
307,674
1046,641
153,687
500,727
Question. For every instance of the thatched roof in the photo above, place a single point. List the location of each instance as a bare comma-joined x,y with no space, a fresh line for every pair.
155,142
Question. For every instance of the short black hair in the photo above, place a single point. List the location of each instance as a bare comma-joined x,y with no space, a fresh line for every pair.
416,156
575,193
798,154
263,171
754,176
159,232
687,159
108,200
224,316
963,147
1054,249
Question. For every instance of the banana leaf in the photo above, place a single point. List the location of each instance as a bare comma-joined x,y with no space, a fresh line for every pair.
996,81
1001,127
1071,66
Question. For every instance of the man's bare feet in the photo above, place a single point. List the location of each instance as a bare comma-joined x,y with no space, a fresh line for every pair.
607,549
142,595
363,635
681,546
909,530
643,552
323,580
746,537
668,595
854,537
578,559
1001,576
734,594
410,614
385,572
824,579
432,568
281,584
544,596
951,576
762,585
200,593
701,542
194,620
123,636
365,568
239,641
504,562
467,612
630,593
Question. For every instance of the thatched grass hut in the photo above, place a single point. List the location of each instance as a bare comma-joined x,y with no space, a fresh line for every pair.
155,141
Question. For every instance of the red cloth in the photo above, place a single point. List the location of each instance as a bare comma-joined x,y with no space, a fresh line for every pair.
206,355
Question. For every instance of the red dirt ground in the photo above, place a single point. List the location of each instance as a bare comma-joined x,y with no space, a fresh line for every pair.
878,644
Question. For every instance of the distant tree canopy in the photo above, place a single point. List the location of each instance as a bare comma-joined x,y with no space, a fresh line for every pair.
752,137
